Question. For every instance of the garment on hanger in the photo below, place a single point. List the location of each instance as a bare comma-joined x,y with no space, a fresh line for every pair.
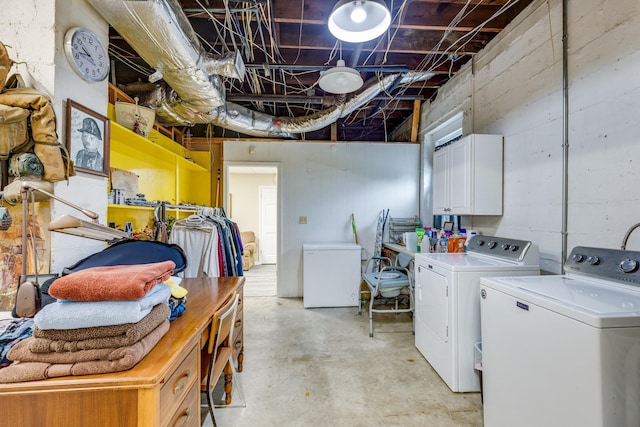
198,237
212,244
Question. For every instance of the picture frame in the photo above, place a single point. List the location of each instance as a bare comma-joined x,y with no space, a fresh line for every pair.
87,139
447,226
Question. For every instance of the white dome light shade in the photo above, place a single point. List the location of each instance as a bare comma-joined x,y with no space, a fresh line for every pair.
340,79
359,21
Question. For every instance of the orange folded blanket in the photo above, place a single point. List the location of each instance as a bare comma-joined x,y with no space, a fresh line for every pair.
113,283
98,336
119,360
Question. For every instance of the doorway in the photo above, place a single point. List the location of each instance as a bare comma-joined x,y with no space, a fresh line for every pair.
252,202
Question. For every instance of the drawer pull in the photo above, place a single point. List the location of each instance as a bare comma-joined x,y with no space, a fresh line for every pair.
238,324
238,345
184,418
182,382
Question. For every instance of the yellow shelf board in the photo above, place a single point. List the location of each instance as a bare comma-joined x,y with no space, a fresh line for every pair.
156,145
130,207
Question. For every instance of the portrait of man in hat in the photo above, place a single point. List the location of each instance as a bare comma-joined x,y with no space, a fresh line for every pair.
90,156
88,139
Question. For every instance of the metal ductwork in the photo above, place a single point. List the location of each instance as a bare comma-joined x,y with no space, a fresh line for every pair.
161,34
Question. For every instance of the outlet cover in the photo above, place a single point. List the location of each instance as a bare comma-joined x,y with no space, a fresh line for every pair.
302,220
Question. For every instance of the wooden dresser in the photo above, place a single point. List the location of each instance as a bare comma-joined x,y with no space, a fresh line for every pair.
162,390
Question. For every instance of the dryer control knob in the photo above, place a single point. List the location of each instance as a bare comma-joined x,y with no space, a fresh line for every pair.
492,244
515,247
480,242
629,265
505,247
578,257
593,260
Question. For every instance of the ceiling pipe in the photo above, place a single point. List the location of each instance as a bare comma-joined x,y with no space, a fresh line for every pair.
161,34
364,68
304,99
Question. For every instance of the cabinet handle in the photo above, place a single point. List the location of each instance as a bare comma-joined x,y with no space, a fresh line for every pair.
238,324
182,421
238,345
182,382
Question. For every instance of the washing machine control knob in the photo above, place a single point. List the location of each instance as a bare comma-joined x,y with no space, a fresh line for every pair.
480,242
505,247
593,260
514,248
492,244
578,257
629,265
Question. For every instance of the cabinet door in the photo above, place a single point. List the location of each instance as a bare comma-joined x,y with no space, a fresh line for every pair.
441,181
460,202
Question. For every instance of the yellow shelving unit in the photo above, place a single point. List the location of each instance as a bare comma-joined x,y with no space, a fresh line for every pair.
166,171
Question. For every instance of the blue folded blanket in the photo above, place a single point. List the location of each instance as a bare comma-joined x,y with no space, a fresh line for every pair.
73,314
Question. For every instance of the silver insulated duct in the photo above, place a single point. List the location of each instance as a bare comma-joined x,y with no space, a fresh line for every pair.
161,34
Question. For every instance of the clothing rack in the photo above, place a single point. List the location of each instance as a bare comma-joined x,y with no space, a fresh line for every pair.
211,242
160,216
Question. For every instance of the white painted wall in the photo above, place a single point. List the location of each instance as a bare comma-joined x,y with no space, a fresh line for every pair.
244,187
327,183
514,88
35,31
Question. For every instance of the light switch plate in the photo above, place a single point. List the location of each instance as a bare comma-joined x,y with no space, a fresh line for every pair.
302,220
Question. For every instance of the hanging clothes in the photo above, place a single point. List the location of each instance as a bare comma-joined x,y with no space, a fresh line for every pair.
211,242
198,237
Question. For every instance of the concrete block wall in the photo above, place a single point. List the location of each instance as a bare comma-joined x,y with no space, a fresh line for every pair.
514,88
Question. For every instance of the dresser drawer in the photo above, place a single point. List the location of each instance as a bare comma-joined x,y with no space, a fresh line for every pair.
188,413
179,384
237,345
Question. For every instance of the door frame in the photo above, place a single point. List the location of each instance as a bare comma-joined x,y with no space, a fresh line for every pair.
261,215
227,169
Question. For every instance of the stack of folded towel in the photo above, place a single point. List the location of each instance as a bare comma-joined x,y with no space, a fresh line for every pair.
105,319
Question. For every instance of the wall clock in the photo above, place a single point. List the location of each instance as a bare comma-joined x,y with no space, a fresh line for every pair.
86,54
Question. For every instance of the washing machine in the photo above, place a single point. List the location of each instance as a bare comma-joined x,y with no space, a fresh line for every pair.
564,350
447,302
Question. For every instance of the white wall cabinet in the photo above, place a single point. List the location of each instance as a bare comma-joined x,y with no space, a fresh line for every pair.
467,176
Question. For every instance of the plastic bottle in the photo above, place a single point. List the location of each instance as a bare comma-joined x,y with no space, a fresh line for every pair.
420,234
456,242
470,234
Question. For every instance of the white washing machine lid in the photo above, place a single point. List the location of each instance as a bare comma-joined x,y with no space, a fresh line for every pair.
599,303
472,262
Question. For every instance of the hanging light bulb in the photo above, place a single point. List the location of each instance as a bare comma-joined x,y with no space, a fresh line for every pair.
358,14
358,21
340,79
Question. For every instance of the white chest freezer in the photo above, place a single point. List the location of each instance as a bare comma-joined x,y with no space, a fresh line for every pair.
331,274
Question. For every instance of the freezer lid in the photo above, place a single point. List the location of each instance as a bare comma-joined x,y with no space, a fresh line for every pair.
599,303
330,246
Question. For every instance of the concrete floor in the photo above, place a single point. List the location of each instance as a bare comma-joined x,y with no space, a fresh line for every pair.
318,367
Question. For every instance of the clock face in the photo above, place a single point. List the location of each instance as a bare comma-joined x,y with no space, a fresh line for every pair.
86,54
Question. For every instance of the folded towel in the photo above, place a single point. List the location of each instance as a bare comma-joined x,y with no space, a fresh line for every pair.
99,336
72,315
113,283
121,359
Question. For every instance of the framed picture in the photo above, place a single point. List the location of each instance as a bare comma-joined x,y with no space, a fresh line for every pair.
447,226
87,139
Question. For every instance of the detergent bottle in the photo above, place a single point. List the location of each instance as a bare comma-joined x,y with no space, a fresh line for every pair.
420,236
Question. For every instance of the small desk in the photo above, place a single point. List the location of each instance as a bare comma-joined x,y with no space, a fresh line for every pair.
163,389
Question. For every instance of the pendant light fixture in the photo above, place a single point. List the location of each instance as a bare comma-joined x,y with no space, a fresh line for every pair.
340,79
357,21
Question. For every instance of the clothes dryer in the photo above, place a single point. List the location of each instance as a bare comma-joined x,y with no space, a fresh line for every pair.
447,302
